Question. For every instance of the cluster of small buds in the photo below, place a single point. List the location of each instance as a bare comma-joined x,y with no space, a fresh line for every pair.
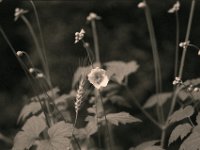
184,44
36,73
177,81
141,5
175,7
79,35
20,53
93,16
191,88
19,12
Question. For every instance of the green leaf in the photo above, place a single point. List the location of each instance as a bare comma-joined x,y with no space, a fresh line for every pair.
149,145
30,132
119,69
180,131
159,99
181,114
29,109
121,117
59,135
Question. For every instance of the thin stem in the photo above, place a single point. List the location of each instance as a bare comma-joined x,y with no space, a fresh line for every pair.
24,68
163,138
158,78
99,140
36,43
183,56
96,43
87,48
154,49
63,118
42,39
191,122
187,38
177,45
142,109
108,132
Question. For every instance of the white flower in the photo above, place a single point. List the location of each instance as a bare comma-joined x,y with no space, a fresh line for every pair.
92,16
98,78
19,12
141,5
79,35
175,7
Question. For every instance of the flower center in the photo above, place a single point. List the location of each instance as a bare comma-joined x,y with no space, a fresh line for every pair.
98,78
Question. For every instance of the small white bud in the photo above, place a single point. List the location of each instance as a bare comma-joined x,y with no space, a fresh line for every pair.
31,70
196,89
141,5
19,53
40,75
199,52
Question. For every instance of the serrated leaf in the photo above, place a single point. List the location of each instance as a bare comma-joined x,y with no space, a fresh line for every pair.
31,108
82,71
121,117
145,145
181,114
119,69
116,99
180,131
159,99
30,132
192,142
59,135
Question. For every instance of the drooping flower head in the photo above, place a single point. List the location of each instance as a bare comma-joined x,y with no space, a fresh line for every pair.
79,35
19,12
98,78
175,7
93,16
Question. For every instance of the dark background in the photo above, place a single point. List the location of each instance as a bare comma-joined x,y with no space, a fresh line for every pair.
123,35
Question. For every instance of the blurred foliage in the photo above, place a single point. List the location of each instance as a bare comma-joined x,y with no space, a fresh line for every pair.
123,35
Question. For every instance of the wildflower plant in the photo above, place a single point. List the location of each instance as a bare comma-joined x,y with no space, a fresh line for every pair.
50,122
